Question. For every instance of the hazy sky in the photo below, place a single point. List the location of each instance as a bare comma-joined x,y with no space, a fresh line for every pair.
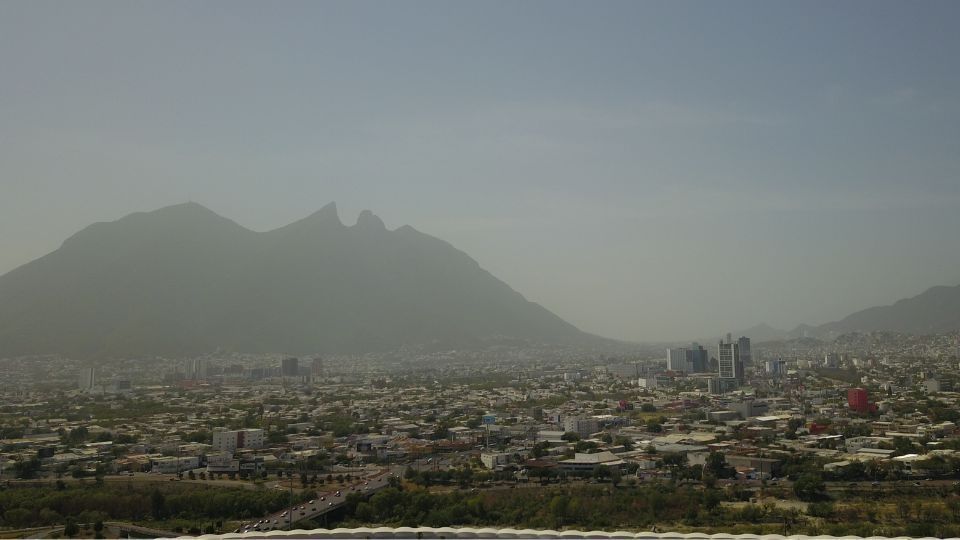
646,170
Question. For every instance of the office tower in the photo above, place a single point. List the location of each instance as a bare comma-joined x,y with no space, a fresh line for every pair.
746,358
290,367
694,359
87,379
697,358
198,369
776,367
677,359
729,366
316,369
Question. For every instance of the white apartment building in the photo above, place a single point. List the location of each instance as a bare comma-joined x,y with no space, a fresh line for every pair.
231,441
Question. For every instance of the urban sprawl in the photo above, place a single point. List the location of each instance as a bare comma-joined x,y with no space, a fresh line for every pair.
857,434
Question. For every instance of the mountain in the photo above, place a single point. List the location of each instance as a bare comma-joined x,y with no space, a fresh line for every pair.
934,311
183,280
803,331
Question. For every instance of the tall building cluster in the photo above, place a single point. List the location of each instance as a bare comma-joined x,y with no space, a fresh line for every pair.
693,359
733,358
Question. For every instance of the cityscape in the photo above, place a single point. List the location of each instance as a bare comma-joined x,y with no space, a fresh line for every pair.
857,436
422,269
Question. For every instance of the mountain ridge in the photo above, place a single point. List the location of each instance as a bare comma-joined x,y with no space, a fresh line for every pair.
934,311
184,280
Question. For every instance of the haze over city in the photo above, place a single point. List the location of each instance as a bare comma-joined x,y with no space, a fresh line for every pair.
646,171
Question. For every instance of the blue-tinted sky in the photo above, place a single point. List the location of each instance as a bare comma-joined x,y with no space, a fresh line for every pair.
647,170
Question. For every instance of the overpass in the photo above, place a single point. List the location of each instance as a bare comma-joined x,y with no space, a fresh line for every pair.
324,503
470,532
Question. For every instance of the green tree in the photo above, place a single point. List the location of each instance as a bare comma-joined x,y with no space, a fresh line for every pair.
27,468
625,442
158,504
559,506
716,466
809,487
902,445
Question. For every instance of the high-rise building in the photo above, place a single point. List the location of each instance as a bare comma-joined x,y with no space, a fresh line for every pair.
746,358
87,379
776,367
698,358
691,360
677,359
729,365
290,367
858,399
198,369
316,368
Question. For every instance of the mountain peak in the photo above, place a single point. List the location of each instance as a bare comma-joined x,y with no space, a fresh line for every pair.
189,208
326,215
367,220
122,290
324,218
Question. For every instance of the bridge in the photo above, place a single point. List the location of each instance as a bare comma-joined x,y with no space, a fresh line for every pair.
470,532
324,503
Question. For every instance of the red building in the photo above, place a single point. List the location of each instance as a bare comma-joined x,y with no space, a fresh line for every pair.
858,400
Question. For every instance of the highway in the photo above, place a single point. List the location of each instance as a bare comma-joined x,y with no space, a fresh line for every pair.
324,503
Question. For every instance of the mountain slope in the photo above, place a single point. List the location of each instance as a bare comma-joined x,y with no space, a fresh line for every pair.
183,280
936,310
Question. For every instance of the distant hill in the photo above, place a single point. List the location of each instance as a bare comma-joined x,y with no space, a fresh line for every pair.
802,331
184,280
935,311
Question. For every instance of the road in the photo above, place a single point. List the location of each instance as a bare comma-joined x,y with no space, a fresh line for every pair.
137,530
324,503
